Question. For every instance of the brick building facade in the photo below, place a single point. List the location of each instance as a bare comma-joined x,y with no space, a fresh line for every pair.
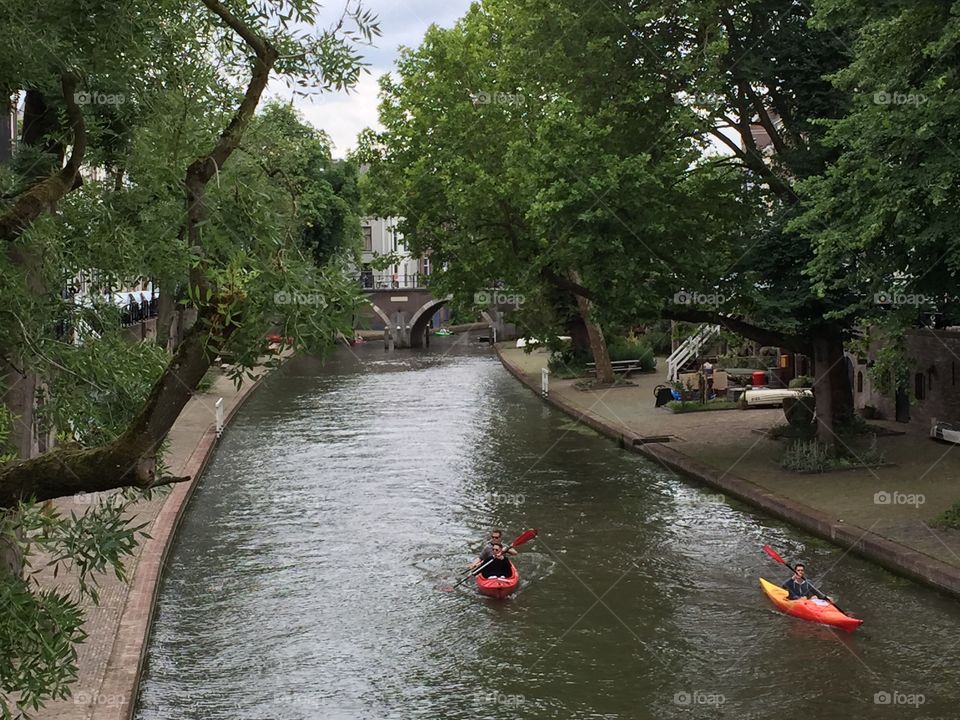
933,391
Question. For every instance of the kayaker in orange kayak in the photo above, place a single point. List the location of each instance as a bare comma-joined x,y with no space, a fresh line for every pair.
499,566
496,536
799,587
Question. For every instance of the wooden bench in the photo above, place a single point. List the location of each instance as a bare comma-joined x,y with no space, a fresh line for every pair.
620,366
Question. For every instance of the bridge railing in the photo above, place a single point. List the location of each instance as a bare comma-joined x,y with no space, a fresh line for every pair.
398,281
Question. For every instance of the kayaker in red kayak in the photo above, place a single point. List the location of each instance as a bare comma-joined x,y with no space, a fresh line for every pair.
499,566
496,536
799,587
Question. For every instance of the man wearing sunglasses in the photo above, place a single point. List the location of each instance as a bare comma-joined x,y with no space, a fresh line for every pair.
496,536
499,566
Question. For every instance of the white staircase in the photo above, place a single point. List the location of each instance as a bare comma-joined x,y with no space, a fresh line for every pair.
688,349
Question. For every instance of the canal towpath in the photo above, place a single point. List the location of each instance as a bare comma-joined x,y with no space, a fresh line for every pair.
110,659
880,513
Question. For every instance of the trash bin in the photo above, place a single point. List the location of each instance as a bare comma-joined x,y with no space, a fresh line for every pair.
759,378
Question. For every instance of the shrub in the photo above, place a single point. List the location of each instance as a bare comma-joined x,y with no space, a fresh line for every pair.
949,518
801,381
632,348
813,456
206,382
809,456
567,362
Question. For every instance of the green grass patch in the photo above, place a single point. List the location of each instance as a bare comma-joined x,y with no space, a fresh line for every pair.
206,382
949,518
689,406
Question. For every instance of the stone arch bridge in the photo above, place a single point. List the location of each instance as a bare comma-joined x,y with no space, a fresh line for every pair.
405,314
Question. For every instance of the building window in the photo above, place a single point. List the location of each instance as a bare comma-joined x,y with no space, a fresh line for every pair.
920,386
367,238
859,382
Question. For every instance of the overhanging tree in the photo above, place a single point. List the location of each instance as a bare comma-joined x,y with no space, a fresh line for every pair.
237,260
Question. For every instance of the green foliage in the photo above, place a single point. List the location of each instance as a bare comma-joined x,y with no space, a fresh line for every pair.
568,362
813,456
882,217
40,627
891,367
206,382
98,387
808,456
157,88
948,519
632,348
801,381
660,337
507,161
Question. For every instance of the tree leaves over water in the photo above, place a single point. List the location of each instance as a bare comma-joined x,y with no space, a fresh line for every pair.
157,86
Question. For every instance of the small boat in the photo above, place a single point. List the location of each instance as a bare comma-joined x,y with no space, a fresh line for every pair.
442,332
767,397
499,588
812,609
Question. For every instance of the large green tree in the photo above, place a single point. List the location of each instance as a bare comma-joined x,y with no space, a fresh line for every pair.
535,143
757,72
883,217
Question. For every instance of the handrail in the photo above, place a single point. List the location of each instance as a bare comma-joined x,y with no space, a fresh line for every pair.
688,349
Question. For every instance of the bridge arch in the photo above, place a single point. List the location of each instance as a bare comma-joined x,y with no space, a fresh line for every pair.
421,318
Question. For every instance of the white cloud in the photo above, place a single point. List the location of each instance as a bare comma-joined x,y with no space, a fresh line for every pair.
404,22
343,116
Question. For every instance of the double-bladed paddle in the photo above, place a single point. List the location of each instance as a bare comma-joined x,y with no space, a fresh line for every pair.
523,537
776,556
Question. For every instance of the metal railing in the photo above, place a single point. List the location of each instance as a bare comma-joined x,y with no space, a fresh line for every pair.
137,311
689,349
396,281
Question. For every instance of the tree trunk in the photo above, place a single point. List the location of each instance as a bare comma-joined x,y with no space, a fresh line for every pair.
20,400
579,337
131,459
166,312
834,395
598,345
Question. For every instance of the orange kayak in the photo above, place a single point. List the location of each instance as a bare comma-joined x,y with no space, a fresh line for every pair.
812,609
499,588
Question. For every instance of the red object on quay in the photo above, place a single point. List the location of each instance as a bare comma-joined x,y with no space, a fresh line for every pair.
759,378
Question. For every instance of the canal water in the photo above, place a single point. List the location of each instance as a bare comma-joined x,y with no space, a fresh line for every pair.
311,576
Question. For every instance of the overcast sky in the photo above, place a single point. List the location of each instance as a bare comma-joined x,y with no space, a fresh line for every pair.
402,22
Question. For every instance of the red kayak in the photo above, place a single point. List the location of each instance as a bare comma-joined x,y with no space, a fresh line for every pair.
499,588
812,609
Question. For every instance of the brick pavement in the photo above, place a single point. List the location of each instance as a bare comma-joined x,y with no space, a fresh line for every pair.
110,660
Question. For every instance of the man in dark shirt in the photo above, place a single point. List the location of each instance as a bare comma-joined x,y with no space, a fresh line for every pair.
799,587
499,566
496,536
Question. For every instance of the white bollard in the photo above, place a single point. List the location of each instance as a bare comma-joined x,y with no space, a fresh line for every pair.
219,412
544,382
